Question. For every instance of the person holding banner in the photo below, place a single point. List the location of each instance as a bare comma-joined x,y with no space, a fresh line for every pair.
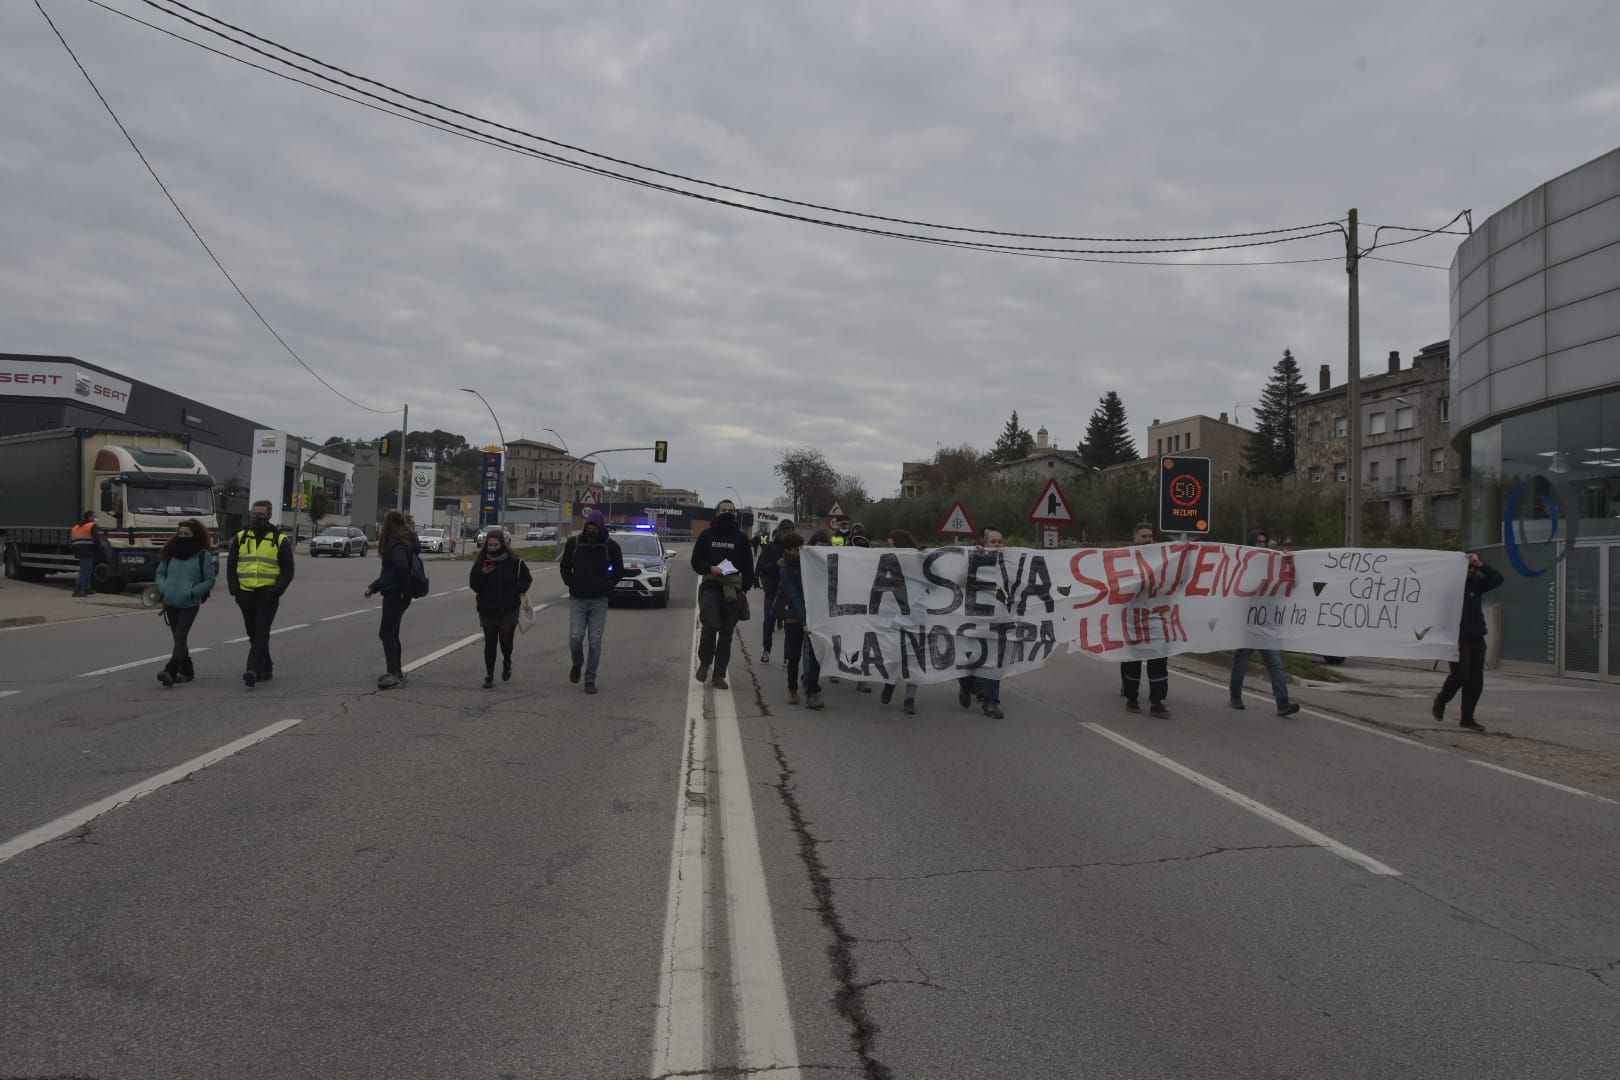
902,539
1272,657
796,643
1468,670
1158,667
988,691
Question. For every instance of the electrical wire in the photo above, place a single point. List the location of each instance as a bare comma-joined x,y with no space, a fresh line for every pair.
1411,239
1409,228
172,202
1404,262
680,176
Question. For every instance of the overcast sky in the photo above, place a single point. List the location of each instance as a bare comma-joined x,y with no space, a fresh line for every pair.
404,263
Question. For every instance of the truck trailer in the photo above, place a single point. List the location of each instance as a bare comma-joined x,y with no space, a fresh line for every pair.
139,484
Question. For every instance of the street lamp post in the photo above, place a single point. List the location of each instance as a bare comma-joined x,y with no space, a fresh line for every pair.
500,474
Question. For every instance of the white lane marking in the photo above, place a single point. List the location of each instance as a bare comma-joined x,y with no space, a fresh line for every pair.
1353,725
1539,780
681,1026
133,664
68,822
345,615
446,592
446,651
236,641
284,629
1305,832
8,693
765,1036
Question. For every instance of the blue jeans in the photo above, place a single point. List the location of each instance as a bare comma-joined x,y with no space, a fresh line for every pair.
1274,668
587,615
87,563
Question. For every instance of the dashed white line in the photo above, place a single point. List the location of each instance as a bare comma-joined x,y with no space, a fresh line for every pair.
132,664
70,821
446,651
1539,780
446,592
236,641
285,629
345,615
1299,829
8,693
1353,725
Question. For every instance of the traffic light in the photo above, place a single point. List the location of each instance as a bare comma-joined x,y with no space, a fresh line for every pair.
384,446
661,451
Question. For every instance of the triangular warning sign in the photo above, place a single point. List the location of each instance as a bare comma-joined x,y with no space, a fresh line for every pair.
1052,506
588,499
837,511
957,523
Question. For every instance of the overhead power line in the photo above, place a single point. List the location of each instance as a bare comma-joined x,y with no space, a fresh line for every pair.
168,5
172,202
1423,234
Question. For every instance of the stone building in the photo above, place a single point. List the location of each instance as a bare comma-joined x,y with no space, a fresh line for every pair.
1220,440
539,470
1044,462
1408,466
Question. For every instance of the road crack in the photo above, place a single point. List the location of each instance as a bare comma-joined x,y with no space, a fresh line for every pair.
1045,867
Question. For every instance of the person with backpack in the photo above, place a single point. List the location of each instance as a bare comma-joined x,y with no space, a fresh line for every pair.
258,573
399,584
591,566
767,575
185,576
499,582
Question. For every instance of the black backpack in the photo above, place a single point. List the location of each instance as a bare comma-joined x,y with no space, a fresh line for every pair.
419,578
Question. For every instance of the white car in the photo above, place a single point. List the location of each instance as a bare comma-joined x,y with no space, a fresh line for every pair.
435,540
542,532
646,568
342,540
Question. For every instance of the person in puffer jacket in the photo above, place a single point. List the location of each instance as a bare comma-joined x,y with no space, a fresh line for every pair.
185,576
499,581
592,566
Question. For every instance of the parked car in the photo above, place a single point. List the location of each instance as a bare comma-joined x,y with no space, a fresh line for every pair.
646,568
342,540
542,532
435,540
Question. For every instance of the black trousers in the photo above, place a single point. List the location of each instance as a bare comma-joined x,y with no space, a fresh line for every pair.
180,620
769,585
1467,675
395,601
258,616
719,624
1158,672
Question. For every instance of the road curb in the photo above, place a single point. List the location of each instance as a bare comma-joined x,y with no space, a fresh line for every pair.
22,620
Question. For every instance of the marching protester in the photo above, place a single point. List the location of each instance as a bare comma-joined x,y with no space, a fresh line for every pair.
1158,668
397,548
592,565
796,643
988,691
857,538
723,560
1468,670
1272,658
185,576
900,538
85,544
499,581
257,574
767,572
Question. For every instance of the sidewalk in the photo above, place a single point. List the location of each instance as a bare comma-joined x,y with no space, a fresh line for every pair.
27,603
1558,728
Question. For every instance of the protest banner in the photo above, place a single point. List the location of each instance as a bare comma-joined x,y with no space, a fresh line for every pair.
932,616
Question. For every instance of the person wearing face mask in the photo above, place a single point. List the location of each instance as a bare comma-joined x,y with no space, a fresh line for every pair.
1272,657
398,549
722,559
1158,667
591,566
499,581
797,645
258,573
988,691
768,572
185,576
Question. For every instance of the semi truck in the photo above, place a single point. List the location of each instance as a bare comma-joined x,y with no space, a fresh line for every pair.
139,484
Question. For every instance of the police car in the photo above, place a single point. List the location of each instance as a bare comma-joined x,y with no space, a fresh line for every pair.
646,568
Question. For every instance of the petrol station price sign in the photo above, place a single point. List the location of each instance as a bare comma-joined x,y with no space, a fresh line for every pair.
1184,495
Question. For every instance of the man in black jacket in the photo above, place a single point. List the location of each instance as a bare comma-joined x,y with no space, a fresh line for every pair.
724,561
1468,670
592,565
767,572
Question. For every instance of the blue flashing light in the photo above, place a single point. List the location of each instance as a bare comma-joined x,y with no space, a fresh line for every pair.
644,525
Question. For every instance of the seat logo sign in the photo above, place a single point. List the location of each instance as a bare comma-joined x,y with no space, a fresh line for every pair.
1563,515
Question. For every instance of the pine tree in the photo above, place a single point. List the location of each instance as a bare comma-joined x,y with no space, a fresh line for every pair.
1271,450
1015,444
1108,436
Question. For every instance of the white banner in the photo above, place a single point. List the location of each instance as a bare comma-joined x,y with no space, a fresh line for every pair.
424,475
267,479
931,616
52,379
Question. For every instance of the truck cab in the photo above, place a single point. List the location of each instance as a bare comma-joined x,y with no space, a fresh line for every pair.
142,494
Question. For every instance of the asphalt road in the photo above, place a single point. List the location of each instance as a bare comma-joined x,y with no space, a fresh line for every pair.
527,882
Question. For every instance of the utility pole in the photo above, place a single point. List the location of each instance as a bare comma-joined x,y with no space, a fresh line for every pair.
1352,267
399,492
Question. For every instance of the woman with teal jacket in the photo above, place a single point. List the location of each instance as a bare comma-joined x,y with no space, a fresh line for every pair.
185,576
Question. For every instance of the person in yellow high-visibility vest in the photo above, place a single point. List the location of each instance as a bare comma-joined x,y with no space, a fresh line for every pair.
259,571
